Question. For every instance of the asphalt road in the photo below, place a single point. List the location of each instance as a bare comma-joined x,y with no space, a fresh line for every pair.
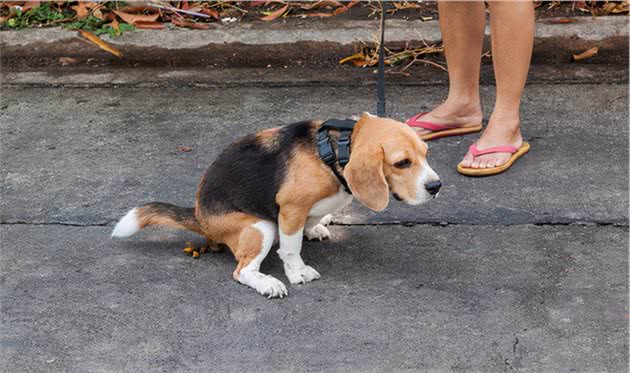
524,271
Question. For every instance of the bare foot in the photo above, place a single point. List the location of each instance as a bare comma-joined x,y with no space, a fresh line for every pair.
453,112
500,131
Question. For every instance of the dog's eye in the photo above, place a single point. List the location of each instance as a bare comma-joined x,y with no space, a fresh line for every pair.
403,164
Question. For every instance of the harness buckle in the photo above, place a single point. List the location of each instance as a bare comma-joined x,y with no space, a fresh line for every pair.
343,148
325,150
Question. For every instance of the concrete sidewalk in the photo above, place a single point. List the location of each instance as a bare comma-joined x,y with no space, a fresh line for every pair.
315,42
342,32
524,271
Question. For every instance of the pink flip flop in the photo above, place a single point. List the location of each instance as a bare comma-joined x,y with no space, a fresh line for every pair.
439,130
516,154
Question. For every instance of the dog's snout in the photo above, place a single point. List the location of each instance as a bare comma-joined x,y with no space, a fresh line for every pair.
433,187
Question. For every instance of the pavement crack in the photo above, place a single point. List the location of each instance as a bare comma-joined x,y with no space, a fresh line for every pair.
513,362
623,225
62,224
264,85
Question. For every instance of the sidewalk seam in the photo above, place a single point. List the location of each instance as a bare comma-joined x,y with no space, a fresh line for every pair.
403,224
284,85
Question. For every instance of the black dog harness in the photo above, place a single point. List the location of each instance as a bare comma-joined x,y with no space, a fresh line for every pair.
326,144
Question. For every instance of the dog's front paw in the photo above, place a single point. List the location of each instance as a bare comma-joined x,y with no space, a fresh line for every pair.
327,219
318,232
271,287
302,275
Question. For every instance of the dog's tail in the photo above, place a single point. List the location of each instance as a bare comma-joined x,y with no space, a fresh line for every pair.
157,213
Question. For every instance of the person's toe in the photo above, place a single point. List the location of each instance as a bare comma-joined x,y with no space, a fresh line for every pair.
468,160
476,162
501,161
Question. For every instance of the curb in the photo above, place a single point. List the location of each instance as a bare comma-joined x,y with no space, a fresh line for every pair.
316,41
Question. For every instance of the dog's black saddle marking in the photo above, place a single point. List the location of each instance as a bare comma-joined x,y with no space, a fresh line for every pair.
325,146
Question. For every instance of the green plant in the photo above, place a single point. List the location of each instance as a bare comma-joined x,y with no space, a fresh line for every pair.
43,14
98,26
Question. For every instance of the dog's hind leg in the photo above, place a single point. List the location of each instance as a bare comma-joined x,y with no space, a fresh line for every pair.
254,243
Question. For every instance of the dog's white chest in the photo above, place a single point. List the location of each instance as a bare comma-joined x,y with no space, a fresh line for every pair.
331,204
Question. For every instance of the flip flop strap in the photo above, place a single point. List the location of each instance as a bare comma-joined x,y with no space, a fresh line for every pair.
414,122
495,149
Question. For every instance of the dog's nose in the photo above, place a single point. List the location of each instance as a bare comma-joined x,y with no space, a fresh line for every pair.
433,187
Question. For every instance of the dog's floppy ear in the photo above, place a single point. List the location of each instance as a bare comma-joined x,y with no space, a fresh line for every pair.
365,177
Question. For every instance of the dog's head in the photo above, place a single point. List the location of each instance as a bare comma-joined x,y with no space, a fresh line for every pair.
387,156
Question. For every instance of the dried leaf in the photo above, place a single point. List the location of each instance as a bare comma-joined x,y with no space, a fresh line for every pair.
343,9
275,14
406,5
355,56
92,5
183,149
29,5
182,22
622,8
605,9
101,44
561,20
586,54
81,10
211,12
109,16
115,25
98,14
65,61
318,14
553,4
196,8
320,4
581,5
135,18
136,9
149,25
398,57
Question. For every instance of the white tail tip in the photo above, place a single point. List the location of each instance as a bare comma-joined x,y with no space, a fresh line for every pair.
128,225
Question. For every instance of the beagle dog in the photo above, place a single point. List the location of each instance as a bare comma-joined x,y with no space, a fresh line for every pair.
273,185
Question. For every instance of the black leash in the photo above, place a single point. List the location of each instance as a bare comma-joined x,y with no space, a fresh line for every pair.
380,77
